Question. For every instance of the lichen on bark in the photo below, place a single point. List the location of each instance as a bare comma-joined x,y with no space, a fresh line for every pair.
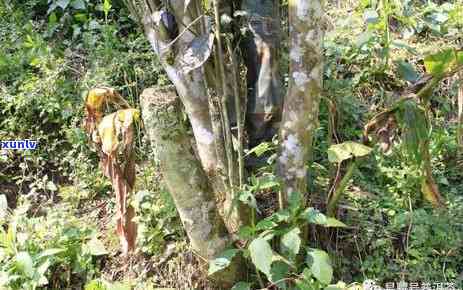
300,112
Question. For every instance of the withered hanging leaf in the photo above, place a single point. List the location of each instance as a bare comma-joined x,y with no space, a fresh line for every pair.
97,97
108,134
431,192
412,121
105,133
128,117
196,53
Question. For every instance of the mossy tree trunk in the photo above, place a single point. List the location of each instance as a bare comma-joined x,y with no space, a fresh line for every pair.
300,112
185,178
184,56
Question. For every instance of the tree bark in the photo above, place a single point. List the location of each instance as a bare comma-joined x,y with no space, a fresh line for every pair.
192,87
300,112
182,173
185,178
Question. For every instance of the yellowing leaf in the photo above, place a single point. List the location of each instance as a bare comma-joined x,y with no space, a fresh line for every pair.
96,98
107,133
128,116
442,62
431,193
340,152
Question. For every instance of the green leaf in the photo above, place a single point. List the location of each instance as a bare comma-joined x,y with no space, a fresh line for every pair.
340,152
334,223
106,7
412,121
314,216
63,3
49,252
266,224
291,243
222,261
261,255
279,271
260,149
78,4
303,285
242,286
25,264
96,247
407,71
267,182
320,265
439,63
95,285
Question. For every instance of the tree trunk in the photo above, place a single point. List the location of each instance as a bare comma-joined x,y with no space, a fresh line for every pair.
192,85
184,175
300,112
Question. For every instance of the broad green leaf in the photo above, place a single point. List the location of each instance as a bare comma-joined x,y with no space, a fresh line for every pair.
340,152
320,265
291,243
407,71
222,261
96,247
439,63
278,272
246,232
261,255
314,216
242,286
25,264
63,3
303,285
78,4
266,224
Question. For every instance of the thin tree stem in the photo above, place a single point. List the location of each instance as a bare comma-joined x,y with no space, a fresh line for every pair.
333,202
220,63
